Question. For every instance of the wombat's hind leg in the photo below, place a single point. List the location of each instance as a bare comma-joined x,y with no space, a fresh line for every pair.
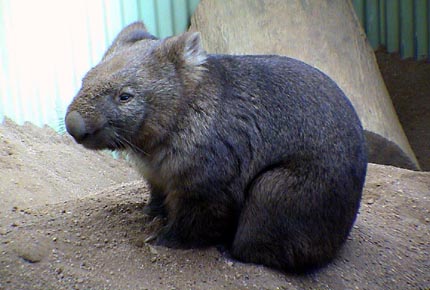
280,224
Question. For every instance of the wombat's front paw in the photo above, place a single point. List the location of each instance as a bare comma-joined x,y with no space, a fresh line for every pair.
154,211
169,239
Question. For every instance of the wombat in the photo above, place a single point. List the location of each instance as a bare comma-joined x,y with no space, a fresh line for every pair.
261,154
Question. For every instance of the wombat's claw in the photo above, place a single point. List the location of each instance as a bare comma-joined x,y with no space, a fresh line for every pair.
156,222
150,238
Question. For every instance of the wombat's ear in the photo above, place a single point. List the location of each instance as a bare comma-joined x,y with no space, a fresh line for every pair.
129,35
193,52
186,52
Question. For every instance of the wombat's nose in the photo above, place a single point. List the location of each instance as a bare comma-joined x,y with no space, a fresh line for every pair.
75,125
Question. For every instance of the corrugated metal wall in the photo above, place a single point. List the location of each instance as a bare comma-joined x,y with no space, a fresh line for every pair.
399,25
46,46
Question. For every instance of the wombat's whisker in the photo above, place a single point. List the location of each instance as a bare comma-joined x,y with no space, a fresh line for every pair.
123,141
123,130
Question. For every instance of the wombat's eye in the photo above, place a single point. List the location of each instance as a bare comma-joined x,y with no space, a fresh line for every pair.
125,97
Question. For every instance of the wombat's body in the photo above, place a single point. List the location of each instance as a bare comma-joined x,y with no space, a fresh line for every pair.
261,153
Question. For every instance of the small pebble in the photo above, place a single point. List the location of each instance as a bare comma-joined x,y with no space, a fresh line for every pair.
153,250
32,248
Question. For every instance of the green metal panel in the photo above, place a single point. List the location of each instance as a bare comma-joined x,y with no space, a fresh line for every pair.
407,28
421,29
164,14
180,16
372,22
129,11
393,25
164,17
192,4
382,23
149,16
401,26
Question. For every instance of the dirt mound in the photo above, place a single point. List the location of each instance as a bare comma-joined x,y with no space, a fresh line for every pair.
84,229
39,166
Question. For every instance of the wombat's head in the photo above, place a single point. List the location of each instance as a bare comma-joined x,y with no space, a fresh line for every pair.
135,92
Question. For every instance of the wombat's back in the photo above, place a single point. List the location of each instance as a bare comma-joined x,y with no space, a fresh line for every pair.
301,153
291,108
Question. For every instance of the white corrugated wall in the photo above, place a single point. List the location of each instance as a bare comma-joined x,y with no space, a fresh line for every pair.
47,46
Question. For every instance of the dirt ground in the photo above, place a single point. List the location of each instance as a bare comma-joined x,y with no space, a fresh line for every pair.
408,82
72,219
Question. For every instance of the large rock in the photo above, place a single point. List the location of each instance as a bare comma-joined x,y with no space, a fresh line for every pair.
325,34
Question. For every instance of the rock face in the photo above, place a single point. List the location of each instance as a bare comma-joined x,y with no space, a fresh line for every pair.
325,34
85,237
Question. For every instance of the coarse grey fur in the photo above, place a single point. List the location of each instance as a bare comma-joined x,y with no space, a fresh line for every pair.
263,154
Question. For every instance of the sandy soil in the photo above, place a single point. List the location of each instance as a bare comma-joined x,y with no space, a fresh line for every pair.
72,219
39,166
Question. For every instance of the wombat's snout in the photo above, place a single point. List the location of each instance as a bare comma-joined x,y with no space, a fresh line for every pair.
75,125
